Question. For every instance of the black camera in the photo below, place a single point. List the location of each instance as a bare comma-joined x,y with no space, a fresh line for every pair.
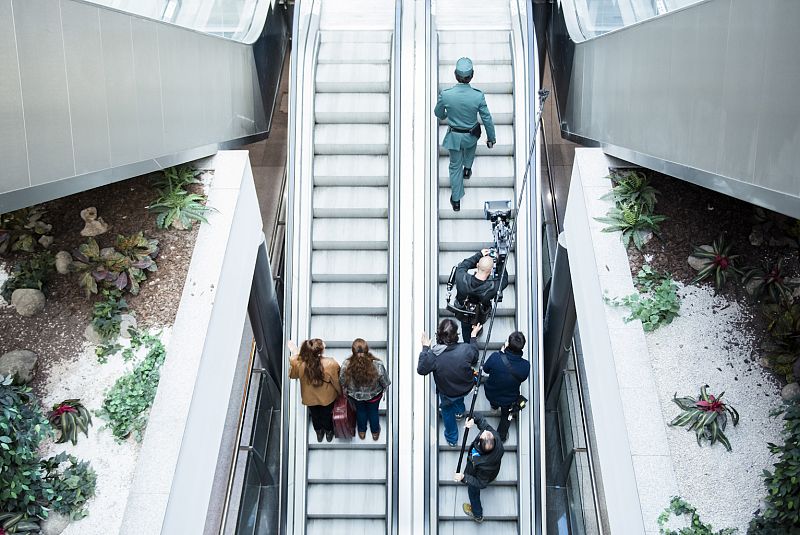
500,214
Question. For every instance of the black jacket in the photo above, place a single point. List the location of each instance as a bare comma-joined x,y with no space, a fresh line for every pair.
467,285
483,468
452,366
502,388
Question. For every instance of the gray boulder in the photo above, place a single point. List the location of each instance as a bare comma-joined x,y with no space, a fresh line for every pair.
20,364
791,392
92,336
127,321
54,524
63,262
28,301
757,237
699,263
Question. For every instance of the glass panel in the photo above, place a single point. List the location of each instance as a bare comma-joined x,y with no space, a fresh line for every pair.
596,17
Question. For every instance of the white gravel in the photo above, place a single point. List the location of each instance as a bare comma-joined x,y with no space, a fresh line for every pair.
84,378
706,345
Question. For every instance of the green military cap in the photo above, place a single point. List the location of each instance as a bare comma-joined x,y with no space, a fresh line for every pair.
464,67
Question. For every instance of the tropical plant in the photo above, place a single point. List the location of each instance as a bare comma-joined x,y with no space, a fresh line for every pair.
114,268
31,272
107,314
632,187
783,347
70,417
657,302
70,487
717,262
141,251
20,230
633,222
782,511
768,279
175,205
126,404
707,416
680,507
17,523
177,177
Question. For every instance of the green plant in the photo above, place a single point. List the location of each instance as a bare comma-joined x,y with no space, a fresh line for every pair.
658,302
633,222
123,269
175,205
782,511
17,523
783,347
31,272
768,279
126,404
103,351
177,177
718,261
141,252
679,507
107,314
707,416
70,417
632,187
19,229
71,487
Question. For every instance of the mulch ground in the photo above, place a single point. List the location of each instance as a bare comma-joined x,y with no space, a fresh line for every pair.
57,332
697,216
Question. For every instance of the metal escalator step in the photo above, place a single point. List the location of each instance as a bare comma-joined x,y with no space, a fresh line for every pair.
499,502
448,259
487,172
472,202
488,78
349,298
507,307
351,444
356,233
481,408
495,527
470,36
465,235
351,201
340,331
351,170
346,466
479,52
352,78
504,146
349,526
448,460
351,139
349,52
351,108
349,266
501,106
339,500
369,37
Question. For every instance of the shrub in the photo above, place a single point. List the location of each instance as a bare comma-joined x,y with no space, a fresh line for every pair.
20,230
141,252
707,416
632,187
783,348
128,401
782,511
177,177
32,272
718,262
175,206
679,507
107,314
768,279
634,223
71,486
122,269
70,417
658,303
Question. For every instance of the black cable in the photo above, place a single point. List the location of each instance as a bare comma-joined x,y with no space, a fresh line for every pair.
543,94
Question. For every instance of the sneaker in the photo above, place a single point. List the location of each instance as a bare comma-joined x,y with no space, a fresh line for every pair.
459,416
452,444
329,436
468,511
467,173
320,433
456,205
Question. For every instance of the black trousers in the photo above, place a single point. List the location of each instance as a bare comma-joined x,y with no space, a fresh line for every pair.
505,423
321,417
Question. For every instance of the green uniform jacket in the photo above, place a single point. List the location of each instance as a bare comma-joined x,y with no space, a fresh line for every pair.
460,105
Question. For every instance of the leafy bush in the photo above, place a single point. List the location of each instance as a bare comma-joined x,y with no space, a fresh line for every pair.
657,304
122,268
633,221
679,507
17,523
70,487
70,417
783,348
718,262
707,416
782,512
20,230
32,272
175,205
126,404
768,279
107,314
632,187
177,177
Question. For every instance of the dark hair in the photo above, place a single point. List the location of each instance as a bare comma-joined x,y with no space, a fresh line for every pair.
447,333
311,356
516,342
487,444
360,367
464,79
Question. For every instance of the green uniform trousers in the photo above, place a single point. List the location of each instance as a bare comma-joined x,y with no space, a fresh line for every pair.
459,159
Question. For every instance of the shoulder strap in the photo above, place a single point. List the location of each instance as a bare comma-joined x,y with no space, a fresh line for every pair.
511,369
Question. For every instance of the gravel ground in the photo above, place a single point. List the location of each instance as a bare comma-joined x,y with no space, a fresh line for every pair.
84,378
707,344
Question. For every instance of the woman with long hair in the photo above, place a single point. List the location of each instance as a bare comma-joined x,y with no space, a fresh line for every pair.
319,383
364,378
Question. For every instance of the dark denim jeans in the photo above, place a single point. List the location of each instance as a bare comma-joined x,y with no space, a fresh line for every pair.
475,501
367,411
322,417
450,407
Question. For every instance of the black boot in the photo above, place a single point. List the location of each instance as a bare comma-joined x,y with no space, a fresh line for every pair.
467,173
455,204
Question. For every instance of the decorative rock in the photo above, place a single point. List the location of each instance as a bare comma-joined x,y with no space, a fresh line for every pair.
752,286
92,336
63,262
127,321
54,524
28,301
699,263
783,241
20,363
790,392
94,225
765,363
46,241
757,237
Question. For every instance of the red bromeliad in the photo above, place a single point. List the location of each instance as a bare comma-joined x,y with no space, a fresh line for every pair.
712,405
61,409
721,261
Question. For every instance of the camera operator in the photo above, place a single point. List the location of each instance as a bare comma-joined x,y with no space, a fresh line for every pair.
482,287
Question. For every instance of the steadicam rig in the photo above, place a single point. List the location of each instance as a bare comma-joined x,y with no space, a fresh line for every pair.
500,214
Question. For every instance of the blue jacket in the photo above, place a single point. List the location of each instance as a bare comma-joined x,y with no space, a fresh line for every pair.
501,388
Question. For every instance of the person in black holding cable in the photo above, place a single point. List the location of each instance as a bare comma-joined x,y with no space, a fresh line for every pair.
484,457
507,370
475,292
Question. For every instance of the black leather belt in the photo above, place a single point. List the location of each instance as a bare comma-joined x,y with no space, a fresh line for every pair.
461,130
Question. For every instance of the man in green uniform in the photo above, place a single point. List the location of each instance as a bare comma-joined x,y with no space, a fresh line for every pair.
460,105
